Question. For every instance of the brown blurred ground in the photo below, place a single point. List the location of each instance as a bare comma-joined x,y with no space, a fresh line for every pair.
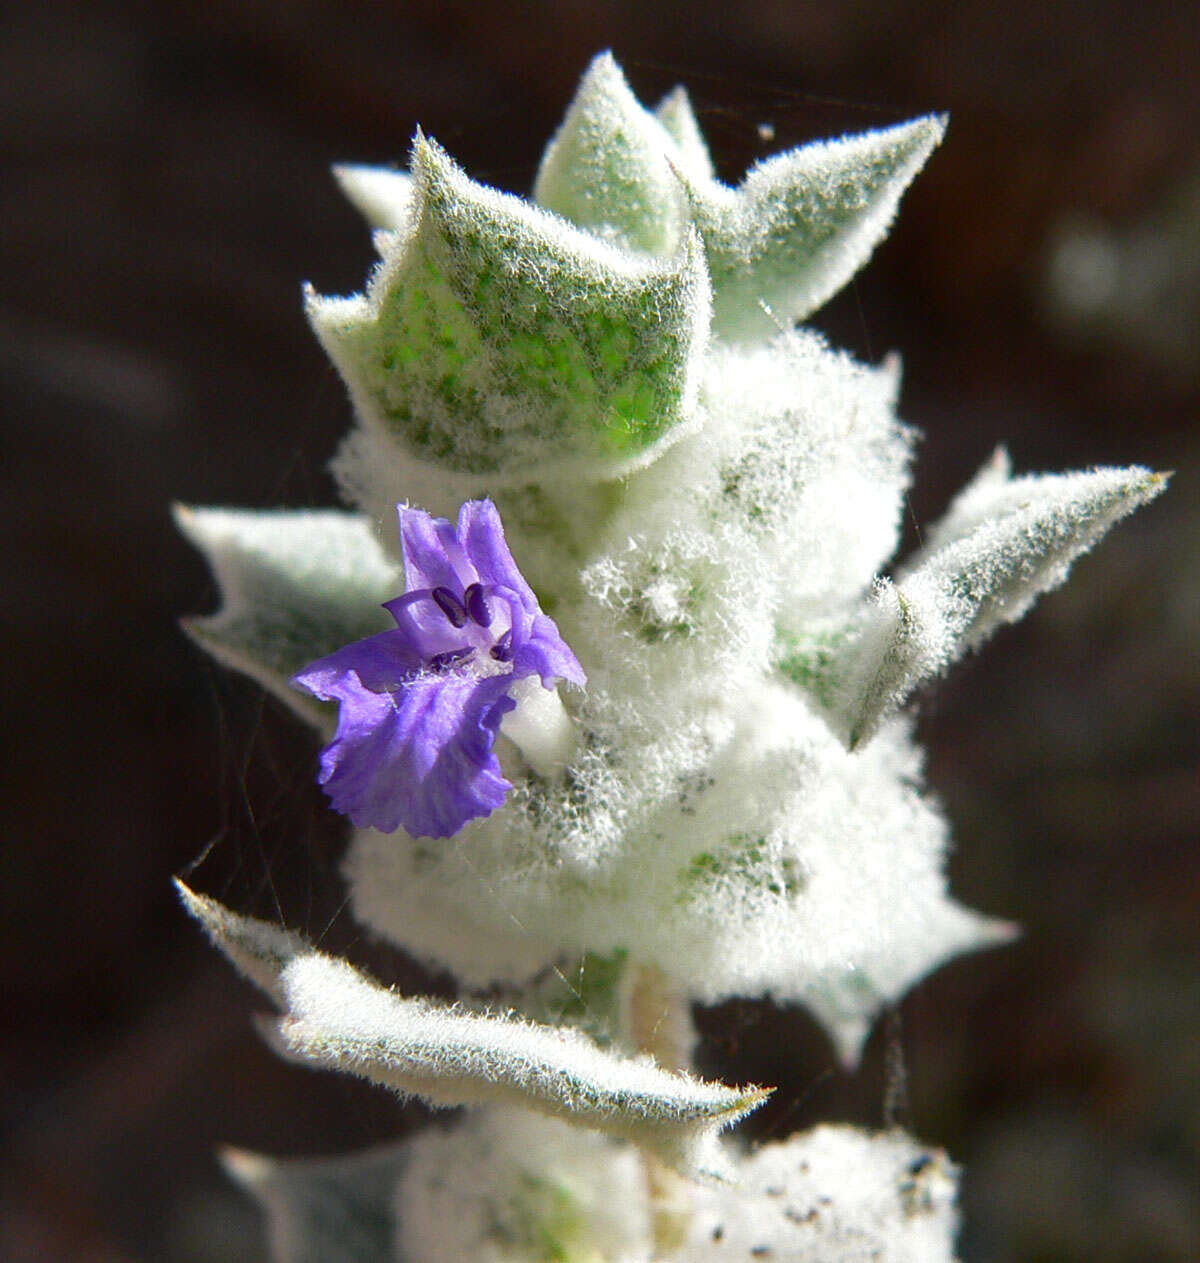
164,192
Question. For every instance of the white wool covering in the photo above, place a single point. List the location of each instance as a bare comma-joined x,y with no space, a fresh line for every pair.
705,500
509,1188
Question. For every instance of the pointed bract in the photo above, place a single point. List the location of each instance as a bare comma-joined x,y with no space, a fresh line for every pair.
676,115
294,587
799,227
447,1056
847,1003
382,195
608,168
1002,544
494,338
973,505
258,950
336,1018
802,223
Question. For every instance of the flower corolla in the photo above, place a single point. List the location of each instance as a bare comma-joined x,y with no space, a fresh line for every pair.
420,704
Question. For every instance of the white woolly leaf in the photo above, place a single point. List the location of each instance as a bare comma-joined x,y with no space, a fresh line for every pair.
847,1001
676,115
449,1056
974,505
326,1210
336,1018
803,222
495,339
258,950
778,863
294,587
502,1187
831,1195
508,1186
608,168
382,195
1003,543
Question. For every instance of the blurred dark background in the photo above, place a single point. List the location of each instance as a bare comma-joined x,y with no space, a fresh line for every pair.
165,191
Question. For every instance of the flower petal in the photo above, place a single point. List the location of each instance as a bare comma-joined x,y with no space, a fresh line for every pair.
420,756
381,663
543,652
482,538
433,557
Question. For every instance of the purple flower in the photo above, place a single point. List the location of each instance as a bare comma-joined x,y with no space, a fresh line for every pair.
420,705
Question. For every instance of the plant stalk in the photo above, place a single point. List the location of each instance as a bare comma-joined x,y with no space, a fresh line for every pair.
658,1022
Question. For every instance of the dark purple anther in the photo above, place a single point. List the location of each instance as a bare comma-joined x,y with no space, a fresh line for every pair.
477,604
502,650
450,605
444,661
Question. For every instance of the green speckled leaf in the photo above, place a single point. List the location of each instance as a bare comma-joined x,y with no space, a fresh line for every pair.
608,169
496,339
294,586
676,115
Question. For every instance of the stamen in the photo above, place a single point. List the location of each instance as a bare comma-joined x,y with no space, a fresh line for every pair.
477,604
450,605
502,650
444,661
